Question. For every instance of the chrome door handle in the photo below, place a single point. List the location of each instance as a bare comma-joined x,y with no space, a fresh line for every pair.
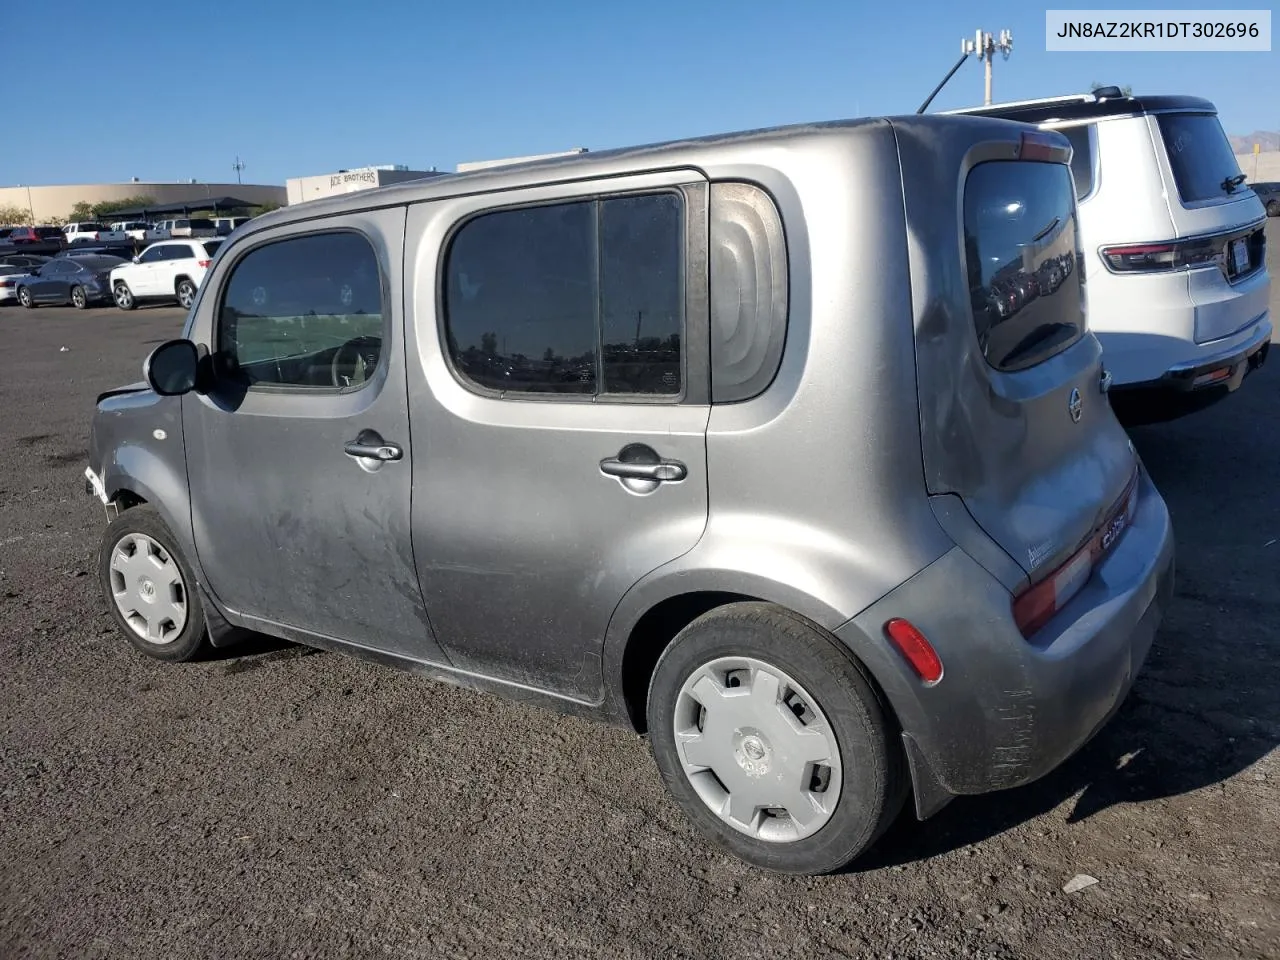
663,470
372,451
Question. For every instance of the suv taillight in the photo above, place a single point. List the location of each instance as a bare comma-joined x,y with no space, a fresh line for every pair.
204,264
1159,257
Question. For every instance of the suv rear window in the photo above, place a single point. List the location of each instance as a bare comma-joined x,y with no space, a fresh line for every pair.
49,232
1200,155
1022,259
211,246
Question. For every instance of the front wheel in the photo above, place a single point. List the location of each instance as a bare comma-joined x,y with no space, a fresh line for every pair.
773,741
186,294
123,296
150,587
79,299
25,298
1273,208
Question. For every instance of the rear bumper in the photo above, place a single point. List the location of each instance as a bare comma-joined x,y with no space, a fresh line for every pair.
1196,384
1008,711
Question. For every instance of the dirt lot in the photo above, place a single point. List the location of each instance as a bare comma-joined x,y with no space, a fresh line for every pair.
276,803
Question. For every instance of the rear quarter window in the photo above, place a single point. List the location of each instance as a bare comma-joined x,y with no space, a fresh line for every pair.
1081,158
1022,260
1200,156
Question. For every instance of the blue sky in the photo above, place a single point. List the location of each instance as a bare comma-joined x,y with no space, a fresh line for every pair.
297,87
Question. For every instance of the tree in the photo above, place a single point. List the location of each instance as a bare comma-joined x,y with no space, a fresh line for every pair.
15,216
263,208
82,211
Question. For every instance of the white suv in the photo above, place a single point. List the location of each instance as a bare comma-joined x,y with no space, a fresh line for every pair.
170,270
1174,246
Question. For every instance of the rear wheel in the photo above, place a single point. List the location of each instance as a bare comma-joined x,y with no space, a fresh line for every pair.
1273,208
79,299
123,296
25,298
186,293
150,587
773,741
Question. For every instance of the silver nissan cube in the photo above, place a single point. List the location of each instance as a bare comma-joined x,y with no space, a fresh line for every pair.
738,441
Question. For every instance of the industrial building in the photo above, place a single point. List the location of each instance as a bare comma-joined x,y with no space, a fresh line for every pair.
301,189
44,203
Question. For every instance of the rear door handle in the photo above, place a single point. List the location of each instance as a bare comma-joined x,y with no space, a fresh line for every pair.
372,449
663,470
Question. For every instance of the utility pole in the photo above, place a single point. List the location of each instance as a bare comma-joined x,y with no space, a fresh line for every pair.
986,45
239,164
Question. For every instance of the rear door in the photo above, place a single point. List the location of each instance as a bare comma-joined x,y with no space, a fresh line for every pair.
1208,200
1014,420
559,415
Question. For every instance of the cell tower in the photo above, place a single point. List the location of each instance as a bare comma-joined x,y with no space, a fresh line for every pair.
986,45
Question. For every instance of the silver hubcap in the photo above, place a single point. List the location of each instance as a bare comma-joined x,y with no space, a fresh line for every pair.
123,296
758,749
77,297
185,295
147,587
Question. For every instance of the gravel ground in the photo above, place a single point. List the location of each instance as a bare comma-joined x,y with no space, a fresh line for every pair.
277,802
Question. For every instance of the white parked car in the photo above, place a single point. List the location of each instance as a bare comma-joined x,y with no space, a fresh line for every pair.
136,230
1173,246
225,225
187,227
9,277
86,231
169,270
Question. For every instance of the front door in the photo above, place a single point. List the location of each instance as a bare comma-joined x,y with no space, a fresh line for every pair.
53,285
142,278
299,457
559,414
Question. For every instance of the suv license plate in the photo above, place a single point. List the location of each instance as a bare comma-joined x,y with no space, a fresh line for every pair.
1240,256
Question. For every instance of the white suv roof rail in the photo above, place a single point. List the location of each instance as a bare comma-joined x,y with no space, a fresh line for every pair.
1072,98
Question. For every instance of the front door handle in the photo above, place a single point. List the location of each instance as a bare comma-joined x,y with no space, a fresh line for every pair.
663,470
372,447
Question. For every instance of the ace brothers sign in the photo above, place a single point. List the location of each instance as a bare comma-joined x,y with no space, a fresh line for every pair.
353,180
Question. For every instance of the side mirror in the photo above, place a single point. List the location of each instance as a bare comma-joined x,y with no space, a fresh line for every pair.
173,368
136,260
35,271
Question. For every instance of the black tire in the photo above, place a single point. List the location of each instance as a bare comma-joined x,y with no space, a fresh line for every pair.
1273,208
79,299
186,293
124,297
874,784
25,298
191,641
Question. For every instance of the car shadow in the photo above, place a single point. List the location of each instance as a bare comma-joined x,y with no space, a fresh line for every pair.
1203,708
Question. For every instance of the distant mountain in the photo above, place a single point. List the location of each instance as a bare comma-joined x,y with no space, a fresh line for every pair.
1269,140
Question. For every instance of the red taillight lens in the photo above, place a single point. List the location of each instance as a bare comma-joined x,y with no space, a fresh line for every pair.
203,263
1158,257
1036,606
915,648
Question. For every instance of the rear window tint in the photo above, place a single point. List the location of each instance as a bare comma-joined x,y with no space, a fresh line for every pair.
1022,259
49,232
1200,155
202,224
1081,158
211,246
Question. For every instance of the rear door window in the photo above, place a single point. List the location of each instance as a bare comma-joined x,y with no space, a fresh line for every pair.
1200,155
1022,261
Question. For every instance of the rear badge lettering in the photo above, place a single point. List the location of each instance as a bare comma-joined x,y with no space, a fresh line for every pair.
1036,555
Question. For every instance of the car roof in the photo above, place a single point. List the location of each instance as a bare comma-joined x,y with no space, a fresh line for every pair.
1086,106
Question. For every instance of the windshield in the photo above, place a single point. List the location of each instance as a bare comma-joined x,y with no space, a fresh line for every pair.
1200,155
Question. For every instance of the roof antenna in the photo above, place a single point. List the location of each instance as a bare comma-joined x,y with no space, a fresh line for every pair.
966,48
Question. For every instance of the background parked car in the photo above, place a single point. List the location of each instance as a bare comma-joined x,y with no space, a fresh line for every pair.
9,277
169,270
134,229
78,281
91,231
44,239
224,225
186,227
1269,194
24,260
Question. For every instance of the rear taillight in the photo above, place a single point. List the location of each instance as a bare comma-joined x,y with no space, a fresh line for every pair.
1161,257
97,236
1036,606
204,264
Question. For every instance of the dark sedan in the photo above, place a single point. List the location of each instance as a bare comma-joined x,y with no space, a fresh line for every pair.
78,281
